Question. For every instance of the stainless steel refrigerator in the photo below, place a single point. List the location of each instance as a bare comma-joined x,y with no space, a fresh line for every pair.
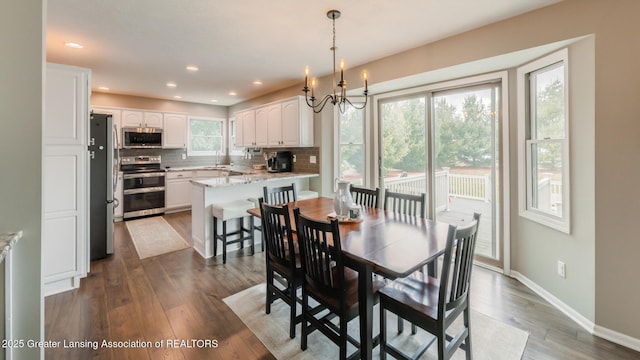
103,171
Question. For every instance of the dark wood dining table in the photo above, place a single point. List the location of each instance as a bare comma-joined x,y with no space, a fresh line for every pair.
385,243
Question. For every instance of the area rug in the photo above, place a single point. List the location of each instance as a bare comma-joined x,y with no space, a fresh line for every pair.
154,236
491,339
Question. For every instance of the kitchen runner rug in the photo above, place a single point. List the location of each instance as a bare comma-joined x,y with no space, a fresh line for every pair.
491,339
154,236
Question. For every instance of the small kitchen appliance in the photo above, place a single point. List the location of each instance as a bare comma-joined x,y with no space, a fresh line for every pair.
280,161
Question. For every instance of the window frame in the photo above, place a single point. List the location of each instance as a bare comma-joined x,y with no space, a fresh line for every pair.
233,132
526,141
191,152
365,144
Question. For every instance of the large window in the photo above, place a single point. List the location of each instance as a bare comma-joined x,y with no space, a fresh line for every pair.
206,136
543,141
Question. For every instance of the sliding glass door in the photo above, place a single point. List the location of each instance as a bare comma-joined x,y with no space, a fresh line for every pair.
465,161
446,144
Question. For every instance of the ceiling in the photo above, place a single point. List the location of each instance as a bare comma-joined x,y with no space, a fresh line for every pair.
137,47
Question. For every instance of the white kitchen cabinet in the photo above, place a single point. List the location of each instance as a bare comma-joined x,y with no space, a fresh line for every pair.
287,123
152,119
246,128
136,118
65,205
262,120
178,190
175,131
116,114
274,125
297,123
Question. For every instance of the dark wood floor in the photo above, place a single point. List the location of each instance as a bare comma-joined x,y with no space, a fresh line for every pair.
179,296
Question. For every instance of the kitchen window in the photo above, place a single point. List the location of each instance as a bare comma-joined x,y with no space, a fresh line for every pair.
206,136
543,141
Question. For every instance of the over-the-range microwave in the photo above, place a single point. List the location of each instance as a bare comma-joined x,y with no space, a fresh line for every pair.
141,138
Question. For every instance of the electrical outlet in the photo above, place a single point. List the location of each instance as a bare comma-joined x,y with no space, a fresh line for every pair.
294,158
312,159
562,269
184,156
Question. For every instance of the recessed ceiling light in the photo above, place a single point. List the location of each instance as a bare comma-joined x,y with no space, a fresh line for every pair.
192,68
177,97
171,84
232,93
103,88
257,82
73,45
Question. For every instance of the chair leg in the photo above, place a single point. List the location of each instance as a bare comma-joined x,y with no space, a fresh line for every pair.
400,325
383,334
269,293
305,328
292,310
224,241
343,337
215,236
251,238
241,232
467,324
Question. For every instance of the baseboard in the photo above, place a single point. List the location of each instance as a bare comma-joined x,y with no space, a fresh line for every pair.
62,285
616,337
588,325
557,303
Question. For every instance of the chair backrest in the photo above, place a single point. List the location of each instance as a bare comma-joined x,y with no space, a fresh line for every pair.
455,278
280,195
276,227
320,254
406,204
364,196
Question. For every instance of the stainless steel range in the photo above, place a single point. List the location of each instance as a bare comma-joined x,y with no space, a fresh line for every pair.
143,186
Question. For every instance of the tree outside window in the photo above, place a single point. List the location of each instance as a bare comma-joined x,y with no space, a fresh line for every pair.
206,136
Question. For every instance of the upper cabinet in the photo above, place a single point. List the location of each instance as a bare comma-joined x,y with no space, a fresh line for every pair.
116,115
132,118
287,123
175,131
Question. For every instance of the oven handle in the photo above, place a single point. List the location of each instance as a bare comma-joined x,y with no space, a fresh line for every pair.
143,190
143,175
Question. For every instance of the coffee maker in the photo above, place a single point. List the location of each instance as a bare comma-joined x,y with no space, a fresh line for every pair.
280,161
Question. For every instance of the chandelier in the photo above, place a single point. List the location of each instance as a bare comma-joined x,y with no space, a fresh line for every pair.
339,96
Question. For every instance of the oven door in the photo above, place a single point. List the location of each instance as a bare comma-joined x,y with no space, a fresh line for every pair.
143,203
139,181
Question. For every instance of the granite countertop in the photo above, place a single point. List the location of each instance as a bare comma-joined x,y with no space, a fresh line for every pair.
258,176
7,240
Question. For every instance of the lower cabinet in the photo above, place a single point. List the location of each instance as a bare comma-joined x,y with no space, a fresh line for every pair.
178,190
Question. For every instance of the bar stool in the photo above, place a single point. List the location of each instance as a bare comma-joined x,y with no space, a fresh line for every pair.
229,211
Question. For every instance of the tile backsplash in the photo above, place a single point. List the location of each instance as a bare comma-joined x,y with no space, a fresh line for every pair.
173,158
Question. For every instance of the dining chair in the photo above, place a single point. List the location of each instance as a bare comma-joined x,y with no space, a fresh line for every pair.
274,196
434,304
284,274
280,194
365,196
328,282
405,204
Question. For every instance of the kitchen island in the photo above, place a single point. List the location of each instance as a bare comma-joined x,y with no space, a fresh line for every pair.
206,192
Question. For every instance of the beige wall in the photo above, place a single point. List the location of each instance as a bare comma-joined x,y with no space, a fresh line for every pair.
601,252
136,102
22,64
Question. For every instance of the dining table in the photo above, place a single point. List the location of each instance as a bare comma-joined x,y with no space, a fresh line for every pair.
378,242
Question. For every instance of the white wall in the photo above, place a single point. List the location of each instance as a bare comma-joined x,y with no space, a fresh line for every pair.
22,64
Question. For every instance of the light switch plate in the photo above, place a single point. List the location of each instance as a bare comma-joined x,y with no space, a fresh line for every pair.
312,159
